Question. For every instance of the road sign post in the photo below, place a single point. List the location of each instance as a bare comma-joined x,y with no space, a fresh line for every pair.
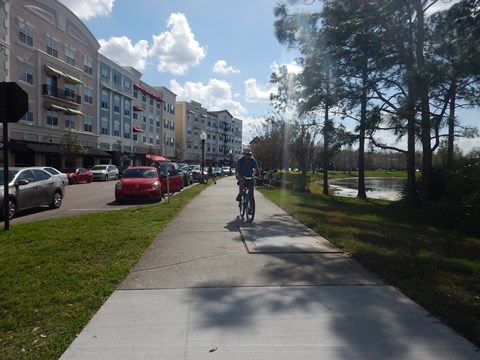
13,105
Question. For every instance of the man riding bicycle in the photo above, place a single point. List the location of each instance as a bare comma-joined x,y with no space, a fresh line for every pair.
246,168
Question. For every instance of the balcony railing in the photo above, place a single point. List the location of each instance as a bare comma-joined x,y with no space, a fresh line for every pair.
61,94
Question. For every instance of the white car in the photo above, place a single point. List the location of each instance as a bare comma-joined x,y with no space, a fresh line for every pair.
104,172
55,173
226,171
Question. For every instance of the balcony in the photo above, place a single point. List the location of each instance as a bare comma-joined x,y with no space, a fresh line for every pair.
61,94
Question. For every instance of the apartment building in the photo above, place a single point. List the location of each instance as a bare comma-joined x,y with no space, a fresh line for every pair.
50,53
116,116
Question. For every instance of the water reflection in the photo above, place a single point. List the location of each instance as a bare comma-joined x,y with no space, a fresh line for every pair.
385,188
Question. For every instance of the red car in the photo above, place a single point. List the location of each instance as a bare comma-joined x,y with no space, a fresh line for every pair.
78,175
175,178
139,183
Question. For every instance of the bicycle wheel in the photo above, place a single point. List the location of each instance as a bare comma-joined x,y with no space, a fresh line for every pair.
250,212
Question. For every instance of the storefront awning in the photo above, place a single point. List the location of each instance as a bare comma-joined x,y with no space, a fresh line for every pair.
137,108
97,152
44,148
157,158
136,129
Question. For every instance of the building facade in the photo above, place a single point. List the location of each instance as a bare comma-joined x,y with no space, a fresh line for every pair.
73,89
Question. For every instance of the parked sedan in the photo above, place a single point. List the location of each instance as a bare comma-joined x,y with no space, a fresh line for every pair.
78,175
186,174
174,181
55,173
104,172
29,188
196,172
139,183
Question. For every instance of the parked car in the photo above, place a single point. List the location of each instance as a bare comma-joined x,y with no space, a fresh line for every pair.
226,171
196,175
29,188
121,170
139,183
55,173
186,174
78,175
104,172
174,181
217,172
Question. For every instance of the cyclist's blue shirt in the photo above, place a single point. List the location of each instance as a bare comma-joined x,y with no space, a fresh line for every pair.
246,168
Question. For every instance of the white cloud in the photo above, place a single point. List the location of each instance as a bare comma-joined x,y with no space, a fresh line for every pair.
216,95
177,50
122,51
221,67
86,9
254,93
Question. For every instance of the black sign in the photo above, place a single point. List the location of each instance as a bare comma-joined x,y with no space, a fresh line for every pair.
14,101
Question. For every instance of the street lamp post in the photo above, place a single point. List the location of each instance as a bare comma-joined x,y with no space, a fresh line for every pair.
203,136
230,152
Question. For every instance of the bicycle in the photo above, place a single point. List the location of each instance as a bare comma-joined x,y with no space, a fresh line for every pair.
244,205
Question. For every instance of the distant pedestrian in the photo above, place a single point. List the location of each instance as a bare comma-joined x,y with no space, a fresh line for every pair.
210,175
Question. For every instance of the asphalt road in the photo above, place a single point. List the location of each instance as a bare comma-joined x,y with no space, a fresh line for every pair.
79,199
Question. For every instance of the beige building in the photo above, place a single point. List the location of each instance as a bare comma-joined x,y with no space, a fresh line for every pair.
168,116
189,123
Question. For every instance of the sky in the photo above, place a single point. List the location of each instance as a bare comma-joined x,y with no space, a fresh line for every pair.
219,53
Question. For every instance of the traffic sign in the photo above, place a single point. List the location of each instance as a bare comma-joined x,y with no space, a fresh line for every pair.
13,100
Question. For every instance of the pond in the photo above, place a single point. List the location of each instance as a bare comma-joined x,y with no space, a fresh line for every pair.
385,188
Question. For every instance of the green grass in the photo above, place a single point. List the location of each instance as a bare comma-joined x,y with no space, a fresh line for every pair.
56,274
437,268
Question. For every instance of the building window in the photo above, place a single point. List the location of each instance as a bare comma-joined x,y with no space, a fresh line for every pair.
88,95
29,114
69,122
157,121
157,139
69,92
25,72
88,123
104,73
127,84
104,129
25,34
116,128
52,47
126,132
104,100
52,118
69,56
88,65
126,108
144,98
116,104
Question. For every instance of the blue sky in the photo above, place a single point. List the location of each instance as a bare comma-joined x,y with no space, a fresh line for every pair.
220,53
217,52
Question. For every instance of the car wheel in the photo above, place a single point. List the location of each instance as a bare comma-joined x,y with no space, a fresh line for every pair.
106,177
12,209
74,181
90,179
57,200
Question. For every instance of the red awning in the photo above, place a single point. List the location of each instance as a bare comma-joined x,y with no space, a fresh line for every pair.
147,92
136,129
137,108
157,158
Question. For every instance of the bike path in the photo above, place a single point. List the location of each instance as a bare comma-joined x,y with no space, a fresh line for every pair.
213,286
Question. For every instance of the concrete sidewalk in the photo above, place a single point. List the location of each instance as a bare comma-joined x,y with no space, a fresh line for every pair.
213,286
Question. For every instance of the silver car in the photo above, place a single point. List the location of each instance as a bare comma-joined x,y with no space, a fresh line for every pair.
104,172
30,187
55,173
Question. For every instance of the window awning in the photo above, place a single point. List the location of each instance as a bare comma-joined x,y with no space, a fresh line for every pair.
137,108
71,111
54,107
136,129
147,92
97,152
73,79
44,148
53,71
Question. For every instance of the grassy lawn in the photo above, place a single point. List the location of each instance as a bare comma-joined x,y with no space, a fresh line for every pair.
437,268
56,274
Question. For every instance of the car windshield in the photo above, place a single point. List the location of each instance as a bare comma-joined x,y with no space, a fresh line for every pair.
98,167
11,175
195,167
140,173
